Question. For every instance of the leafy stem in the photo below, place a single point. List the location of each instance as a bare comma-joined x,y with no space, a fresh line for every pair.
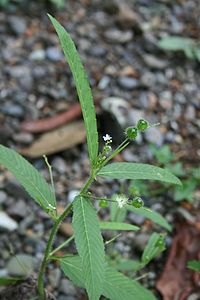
54,230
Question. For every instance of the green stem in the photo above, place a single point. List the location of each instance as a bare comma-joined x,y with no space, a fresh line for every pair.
65,243
54,230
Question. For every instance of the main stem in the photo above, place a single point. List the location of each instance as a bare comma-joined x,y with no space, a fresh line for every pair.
54,230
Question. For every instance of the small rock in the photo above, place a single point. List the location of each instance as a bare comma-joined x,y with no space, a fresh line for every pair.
72,194
190,113
13,110
166,100
59,164
24,138
54,277
3,197
128,83
21,265
153,62
193,297
104,82
127,18
135,115
136,219
38,54
148,79
97,51
118,36
54,54
117,107
17,24
153,135
19,209
141,241
7,223
67,287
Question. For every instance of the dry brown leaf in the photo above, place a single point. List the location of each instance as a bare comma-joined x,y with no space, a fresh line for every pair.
57,140
177,281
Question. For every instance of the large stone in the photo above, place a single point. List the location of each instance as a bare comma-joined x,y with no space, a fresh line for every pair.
7,223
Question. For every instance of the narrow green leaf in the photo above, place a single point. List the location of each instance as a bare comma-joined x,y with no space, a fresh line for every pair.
153,248
152,215
90,245
175,43
117,226
116,285
9,281
29,178
194,265
82,87
123,170
125,265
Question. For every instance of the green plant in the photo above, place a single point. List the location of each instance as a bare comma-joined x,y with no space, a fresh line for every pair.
194,265
90,268
189,47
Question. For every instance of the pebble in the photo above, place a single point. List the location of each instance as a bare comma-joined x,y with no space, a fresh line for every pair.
38,54
19,209
104,82
54,54
166,100
17,24
24,138
72,194
118,36
194,296
59,164
135,115
67,288
3,197
21,265
153,135
136,219
13,110
7,223
97,51
54,277
190,113
128,83
153,62
148,79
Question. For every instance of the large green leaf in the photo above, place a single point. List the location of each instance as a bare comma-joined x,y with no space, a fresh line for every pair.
152,215
82,86
116,285
123,170
90,245
118,226
29,178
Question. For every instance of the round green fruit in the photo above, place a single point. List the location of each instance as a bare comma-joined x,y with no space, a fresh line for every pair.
142,125
131,133
103,203
137,202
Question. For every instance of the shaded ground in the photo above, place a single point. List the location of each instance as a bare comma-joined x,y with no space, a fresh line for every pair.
118,45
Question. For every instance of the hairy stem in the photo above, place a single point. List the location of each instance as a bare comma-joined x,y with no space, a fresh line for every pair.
54,230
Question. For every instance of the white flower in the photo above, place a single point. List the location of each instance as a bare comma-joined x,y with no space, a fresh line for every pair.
107,138
121,200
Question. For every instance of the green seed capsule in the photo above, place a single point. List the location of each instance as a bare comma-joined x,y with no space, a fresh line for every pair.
137,202
103,203
131,133
142,125
160,243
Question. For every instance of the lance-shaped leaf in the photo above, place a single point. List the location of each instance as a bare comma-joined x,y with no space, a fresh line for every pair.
116,285
90,245
152,215
82,87
123,170
118,226
194,265
29,178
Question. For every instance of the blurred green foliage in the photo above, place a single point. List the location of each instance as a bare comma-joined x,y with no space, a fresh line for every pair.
189,47
190,177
